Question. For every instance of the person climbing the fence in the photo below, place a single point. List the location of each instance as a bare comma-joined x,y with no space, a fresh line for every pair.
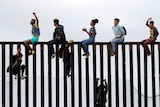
35,35
99,93
92,33
119,32
58,38
16,66
153,36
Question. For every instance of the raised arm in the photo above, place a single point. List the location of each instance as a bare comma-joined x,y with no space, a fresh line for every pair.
36,17
85,30
148,21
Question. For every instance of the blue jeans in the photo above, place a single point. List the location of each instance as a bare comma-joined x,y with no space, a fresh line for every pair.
114,41
86,42
50,45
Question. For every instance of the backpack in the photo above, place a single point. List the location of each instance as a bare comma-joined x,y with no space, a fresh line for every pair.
125,31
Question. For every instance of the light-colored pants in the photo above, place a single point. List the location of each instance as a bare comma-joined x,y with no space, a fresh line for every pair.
114,41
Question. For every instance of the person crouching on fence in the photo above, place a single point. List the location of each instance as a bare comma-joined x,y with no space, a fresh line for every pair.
119,35
153,36
92,33
35,35
16,66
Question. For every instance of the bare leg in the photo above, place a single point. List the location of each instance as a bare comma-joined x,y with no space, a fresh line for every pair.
26,44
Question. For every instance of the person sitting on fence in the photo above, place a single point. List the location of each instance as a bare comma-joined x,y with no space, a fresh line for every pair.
35,35
119,35
16,66
58,38
99,93
66,55
153,36
92,33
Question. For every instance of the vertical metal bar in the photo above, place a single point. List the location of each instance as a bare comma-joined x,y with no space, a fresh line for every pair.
87,82
57,77
72,77
94,74
50,80
153,76
159,67
65,78
26,80
80,74
42,74
117,76
101,76
19,85
145,80
34,79
124,74
109,76
10,77
131,74
139,75
3,76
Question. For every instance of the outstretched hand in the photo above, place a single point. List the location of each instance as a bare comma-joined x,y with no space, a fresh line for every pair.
149,19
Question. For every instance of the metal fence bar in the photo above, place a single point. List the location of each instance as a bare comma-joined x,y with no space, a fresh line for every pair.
19,85
117,76
26,80
57,77
153,76
131,75
109,76
80,74
3,76
72,76
139,75
65,78
42,74
11,78
101,76
124,74
87,83
145,80
94,74
34,79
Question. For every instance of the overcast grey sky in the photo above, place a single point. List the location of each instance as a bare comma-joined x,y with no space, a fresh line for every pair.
76,14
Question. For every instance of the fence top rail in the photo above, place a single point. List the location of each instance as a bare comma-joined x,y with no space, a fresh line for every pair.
97,43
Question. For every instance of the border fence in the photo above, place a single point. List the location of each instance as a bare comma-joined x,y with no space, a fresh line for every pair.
133,78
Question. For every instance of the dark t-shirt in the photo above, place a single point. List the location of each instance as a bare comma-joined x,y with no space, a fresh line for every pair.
59,32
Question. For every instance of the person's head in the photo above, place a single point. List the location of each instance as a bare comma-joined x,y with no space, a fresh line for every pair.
151,24
32,22
93,22
56,22
116,21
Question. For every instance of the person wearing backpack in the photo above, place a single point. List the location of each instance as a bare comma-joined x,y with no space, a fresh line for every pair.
153,36
119,33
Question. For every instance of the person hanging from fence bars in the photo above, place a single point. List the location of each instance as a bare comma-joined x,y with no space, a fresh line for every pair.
92,33
119,32
153,36
99,93
35,35
58,38
16,66
66,55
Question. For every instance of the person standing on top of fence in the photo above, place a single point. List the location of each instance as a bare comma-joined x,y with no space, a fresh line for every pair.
119,33
92,33
35,35
58,37
153,35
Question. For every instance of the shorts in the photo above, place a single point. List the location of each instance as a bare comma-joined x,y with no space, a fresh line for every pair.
34,39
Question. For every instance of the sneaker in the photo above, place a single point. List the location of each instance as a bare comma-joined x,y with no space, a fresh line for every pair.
86,54
16,76
53,55
24,77
31,52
